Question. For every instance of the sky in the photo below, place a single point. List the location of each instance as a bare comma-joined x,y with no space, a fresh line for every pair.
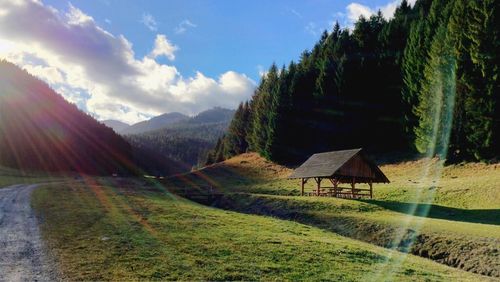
132,60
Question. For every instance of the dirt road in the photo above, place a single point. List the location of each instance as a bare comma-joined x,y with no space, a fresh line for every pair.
21,250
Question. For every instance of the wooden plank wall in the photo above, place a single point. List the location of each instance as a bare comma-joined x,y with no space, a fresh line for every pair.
357,167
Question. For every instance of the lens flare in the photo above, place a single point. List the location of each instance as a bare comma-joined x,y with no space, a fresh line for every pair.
442,87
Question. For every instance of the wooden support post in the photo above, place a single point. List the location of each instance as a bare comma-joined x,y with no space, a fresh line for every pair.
371,189
353,186
302,191
318,180
335,185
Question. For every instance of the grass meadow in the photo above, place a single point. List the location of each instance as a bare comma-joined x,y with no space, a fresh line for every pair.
101,228
453,219
99,231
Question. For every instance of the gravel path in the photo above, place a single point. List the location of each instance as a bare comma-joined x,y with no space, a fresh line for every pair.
21,250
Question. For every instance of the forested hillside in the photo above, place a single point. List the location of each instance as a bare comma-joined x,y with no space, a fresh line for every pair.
39,130
188,140
425,81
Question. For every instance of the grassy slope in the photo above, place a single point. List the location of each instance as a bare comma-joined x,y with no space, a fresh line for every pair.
462,228
466,186
98,231
10,176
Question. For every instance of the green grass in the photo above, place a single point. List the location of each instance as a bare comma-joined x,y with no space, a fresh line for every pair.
471,186
462,208
129,229
126,231
466,186
9,176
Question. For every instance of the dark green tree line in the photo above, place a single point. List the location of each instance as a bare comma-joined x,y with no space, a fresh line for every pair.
425,80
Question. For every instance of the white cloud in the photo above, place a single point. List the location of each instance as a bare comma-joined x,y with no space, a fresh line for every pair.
183,26
75,96
163,47
51,75
262,72
99,71
389,9
234,84
149,21
77,17
355,10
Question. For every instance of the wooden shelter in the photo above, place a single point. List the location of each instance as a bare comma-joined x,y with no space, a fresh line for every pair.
340,167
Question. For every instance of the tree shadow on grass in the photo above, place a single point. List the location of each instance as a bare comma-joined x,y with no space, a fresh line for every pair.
486,216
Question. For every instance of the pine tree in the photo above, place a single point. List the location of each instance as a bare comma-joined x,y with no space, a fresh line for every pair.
437,98
413,75
263,111
235,141
431,14
327,63
456,30
428,77
219,150
281,127
480,29
210,159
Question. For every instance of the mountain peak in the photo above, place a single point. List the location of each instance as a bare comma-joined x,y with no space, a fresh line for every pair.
154,123
216,114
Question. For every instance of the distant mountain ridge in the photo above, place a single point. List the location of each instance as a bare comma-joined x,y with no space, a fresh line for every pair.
154,123
116,125
188,140
174,119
